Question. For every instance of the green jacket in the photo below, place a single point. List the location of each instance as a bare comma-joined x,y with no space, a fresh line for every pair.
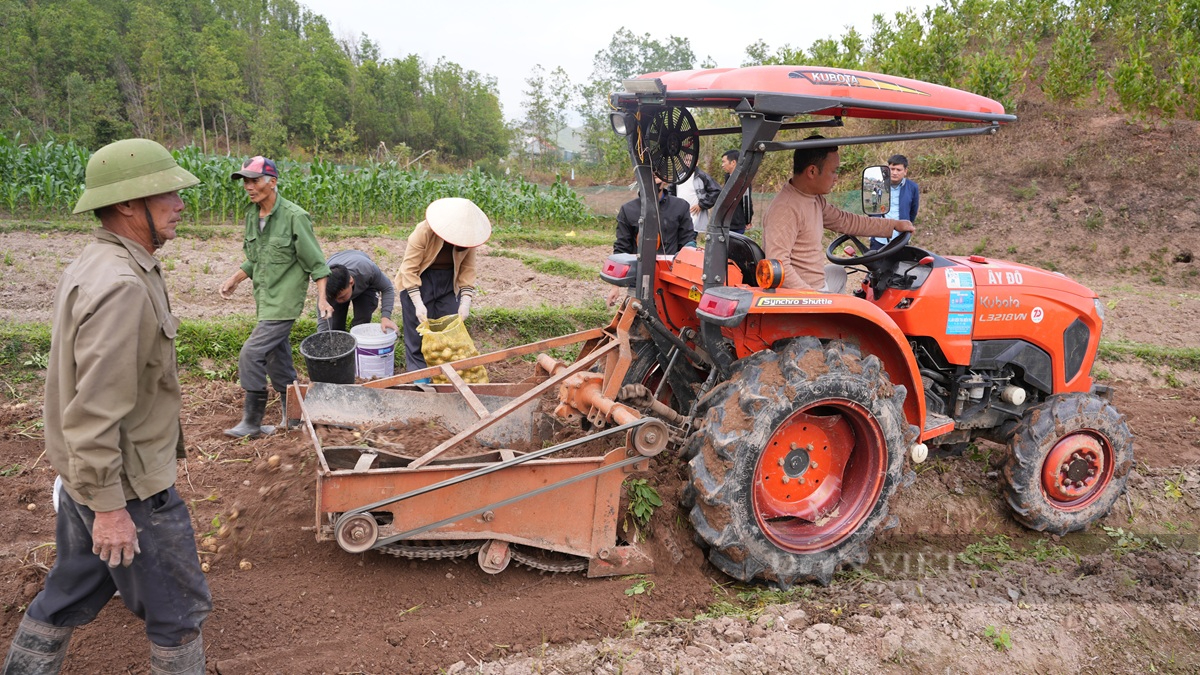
281,259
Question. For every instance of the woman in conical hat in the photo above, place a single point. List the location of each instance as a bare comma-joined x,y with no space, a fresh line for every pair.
437,275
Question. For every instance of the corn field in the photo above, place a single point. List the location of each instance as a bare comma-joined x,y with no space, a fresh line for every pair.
47,179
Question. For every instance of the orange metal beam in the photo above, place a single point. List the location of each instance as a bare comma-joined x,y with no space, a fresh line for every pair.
516,403
491,357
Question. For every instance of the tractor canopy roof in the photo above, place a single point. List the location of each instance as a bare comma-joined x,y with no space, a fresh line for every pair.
788,91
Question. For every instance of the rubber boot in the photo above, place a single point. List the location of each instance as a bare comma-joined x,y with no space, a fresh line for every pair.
252,413
37,648
182,660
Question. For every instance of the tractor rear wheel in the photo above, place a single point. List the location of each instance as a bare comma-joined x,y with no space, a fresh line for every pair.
794,460
1068,462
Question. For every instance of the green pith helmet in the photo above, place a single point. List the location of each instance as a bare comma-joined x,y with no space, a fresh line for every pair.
131,169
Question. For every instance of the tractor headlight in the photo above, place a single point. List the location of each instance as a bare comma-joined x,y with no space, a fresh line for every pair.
1099,308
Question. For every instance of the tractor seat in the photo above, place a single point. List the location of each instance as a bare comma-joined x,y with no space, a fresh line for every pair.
745,254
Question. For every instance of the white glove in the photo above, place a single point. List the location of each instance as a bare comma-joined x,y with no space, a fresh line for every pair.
464,307
419,307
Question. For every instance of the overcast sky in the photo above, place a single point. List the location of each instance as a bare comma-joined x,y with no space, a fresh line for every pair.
506,39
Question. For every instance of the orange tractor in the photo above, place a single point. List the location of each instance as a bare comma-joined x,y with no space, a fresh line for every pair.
798,411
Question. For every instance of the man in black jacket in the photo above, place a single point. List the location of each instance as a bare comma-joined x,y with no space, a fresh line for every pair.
744,212
674,234
676,223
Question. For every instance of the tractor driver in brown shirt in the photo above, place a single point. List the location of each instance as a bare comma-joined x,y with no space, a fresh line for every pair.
799,214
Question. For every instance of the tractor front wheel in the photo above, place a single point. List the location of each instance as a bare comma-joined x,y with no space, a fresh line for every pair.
1068,462
794,460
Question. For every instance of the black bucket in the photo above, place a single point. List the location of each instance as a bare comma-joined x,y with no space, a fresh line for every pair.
329,356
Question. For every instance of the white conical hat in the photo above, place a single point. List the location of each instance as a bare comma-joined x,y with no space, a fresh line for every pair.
458,221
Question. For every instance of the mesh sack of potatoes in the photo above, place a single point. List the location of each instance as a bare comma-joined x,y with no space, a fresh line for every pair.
446,339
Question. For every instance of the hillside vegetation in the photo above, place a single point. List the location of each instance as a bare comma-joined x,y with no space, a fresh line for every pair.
269,76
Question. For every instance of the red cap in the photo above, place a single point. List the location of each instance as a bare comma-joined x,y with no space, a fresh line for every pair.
256,166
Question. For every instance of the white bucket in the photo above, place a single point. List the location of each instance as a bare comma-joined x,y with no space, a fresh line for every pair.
375,355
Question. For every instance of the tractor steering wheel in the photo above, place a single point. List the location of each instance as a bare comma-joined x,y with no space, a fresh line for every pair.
867,256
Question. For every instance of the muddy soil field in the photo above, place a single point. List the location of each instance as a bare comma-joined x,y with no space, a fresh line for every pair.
957,586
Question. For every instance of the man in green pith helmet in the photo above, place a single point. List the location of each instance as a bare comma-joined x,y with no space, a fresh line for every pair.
112,427
282,254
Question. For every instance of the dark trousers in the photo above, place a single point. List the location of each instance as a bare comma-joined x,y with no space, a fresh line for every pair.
437,292
364,307
164,586
268,351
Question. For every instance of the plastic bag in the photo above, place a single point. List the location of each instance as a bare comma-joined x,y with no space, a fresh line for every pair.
446,339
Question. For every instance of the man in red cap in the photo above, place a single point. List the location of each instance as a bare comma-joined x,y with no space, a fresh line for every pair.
438,270
282,254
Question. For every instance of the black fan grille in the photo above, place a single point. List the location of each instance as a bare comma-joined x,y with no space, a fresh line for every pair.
672,142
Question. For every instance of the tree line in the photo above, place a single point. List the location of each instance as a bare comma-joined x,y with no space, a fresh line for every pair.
1141,57
224,73
270,75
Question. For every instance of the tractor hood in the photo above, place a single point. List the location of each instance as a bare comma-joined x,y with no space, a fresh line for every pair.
989,272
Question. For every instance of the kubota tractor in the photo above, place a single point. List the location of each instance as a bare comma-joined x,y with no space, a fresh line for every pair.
798,411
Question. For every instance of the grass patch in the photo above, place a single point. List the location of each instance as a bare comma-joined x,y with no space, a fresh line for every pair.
550,238
539,323
544,235
23,350
1179,358
749,602
992,553
1000,637
548,265
208,348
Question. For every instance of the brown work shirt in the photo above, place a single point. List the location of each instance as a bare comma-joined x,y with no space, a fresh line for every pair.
421,252
112,386
792,231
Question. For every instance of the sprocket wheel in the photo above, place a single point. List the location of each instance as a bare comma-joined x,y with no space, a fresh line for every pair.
794,461
1068,462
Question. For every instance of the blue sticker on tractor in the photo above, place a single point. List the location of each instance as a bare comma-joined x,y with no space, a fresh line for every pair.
962,301
959,279
959,324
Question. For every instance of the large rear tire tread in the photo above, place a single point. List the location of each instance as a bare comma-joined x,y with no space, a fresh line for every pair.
1039,430
735,424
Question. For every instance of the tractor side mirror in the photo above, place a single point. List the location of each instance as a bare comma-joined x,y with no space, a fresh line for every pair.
876,190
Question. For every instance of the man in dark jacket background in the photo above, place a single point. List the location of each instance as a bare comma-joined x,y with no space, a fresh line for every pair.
744,213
